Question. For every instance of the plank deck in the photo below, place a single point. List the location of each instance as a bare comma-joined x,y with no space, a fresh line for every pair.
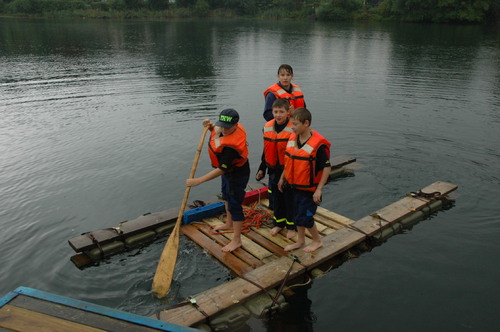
342,234
151,221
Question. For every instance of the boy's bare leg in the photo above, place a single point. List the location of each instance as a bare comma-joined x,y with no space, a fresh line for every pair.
290,234
236,241
316,243
275,230
300,240
228,225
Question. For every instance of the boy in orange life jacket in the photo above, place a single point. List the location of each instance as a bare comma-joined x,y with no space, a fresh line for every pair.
276,134
283,89
303,180
228,152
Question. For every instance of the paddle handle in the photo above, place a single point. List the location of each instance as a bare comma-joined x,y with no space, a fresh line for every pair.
191,174
166,266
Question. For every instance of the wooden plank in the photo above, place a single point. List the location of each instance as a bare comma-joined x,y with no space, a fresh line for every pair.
247,243
148,221
269,245
278,239
408,204
76,315
333,216
328,231
234,263
345,238
20,319
320,227
330,223
221,240
237,290
339,161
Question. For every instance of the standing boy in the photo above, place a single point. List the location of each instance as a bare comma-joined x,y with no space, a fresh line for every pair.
307,168
228,152
276,135
283,89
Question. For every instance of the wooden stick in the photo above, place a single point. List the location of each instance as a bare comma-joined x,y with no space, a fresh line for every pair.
166,266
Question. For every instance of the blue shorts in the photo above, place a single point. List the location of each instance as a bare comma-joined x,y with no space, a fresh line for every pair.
302,207
233,192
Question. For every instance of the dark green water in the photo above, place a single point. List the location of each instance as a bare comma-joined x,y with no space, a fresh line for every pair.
99,122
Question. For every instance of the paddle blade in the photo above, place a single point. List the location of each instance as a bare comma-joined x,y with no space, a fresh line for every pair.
166,266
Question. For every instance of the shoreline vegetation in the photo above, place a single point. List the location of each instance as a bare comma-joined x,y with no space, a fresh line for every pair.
428,11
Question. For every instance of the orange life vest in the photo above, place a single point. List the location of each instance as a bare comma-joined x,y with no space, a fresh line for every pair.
296,98
237,140
300,164
275,144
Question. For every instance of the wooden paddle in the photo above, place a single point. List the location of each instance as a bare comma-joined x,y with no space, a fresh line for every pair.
166,266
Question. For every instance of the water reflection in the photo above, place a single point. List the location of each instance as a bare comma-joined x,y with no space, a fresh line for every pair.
298,317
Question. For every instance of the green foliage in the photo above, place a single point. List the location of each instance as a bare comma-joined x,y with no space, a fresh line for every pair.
338,10
183,12
118,4
185,3
39,6
103,6
25,7
134,4
439,11
201,8
157,4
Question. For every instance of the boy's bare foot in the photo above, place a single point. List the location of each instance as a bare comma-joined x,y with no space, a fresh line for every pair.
222,227
290,234
275,230
294,246
231,246
313,246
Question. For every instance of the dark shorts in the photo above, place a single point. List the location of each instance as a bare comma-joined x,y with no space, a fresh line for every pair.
233,192
302,207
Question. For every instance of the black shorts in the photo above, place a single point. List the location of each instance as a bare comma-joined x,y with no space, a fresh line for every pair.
233,192
302,207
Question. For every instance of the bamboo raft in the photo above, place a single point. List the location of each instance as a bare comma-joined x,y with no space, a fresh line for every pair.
262,264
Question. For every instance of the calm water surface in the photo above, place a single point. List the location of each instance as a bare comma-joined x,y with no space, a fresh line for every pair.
99,122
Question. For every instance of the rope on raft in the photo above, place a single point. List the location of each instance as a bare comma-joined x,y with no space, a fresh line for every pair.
255,216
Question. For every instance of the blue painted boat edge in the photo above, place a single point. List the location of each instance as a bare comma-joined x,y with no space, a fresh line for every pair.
7,298
95,308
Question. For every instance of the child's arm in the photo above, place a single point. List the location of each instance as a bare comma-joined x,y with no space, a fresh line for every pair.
262,168
322,182
281,182
207,177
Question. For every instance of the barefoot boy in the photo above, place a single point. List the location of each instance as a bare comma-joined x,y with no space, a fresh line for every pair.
276,135
229,156
307,168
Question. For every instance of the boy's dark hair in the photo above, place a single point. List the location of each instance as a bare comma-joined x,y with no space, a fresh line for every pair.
301,114
286,67
281,102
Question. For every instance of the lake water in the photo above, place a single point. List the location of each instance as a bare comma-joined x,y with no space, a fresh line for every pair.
99,122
